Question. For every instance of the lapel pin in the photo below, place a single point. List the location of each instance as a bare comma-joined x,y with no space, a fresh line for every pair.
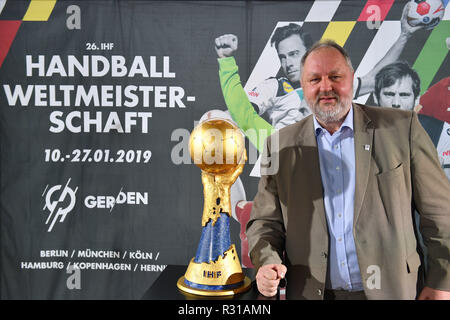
367,147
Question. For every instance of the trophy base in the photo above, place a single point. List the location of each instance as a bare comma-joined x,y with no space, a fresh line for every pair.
214,293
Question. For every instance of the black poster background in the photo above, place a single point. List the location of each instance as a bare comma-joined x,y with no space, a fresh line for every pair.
166,230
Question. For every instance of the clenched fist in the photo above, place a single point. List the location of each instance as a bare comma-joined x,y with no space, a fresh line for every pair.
268,278
226,45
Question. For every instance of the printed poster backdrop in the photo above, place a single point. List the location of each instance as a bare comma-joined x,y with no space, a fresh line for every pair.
98,193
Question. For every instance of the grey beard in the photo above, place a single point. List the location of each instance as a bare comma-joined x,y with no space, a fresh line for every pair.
331,116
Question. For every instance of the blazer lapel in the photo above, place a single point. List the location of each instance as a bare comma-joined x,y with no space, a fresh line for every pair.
363,130
306,138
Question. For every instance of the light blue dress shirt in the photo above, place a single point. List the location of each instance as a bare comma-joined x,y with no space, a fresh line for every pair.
337,170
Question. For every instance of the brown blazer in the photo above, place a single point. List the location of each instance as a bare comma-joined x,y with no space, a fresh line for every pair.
399,172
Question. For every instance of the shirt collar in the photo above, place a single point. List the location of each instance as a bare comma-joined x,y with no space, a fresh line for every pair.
348,123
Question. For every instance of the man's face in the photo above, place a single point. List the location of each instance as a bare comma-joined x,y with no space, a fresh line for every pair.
399,95
290,52
327,83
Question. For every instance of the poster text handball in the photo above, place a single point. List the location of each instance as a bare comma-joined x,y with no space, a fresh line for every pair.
141,97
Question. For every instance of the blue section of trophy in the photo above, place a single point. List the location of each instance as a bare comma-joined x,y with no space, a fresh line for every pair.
215,240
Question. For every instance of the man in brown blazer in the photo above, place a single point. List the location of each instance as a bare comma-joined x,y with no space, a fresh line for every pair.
394,169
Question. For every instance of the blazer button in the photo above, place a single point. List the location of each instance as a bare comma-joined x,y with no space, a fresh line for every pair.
319,292
323,255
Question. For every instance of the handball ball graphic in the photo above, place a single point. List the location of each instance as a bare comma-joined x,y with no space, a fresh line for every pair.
426,13
217,146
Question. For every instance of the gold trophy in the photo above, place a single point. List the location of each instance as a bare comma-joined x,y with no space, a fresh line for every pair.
217,147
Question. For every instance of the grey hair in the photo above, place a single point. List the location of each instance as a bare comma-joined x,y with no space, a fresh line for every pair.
327,43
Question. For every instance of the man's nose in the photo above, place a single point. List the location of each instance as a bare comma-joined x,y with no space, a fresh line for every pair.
325,84
396,101
289,62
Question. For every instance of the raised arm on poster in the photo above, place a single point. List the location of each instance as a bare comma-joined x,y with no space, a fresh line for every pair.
367,84
236,99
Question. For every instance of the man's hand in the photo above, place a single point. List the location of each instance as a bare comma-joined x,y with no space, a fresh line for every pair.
433,294
405,27
268,278
226,45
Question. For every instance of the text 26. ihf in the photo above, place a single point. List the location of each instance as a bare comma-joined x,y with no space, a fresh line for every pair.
98,156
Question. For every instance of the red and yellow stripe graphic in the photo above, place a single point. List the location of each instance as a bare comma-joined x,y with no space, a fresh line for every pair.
38,10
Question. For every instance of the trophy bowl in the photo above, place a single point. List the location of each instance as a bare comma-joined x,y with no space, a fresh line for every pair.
216,146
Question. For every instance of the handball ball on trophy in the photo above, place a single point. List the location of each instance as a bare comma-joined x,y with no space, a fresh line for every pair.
217,148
